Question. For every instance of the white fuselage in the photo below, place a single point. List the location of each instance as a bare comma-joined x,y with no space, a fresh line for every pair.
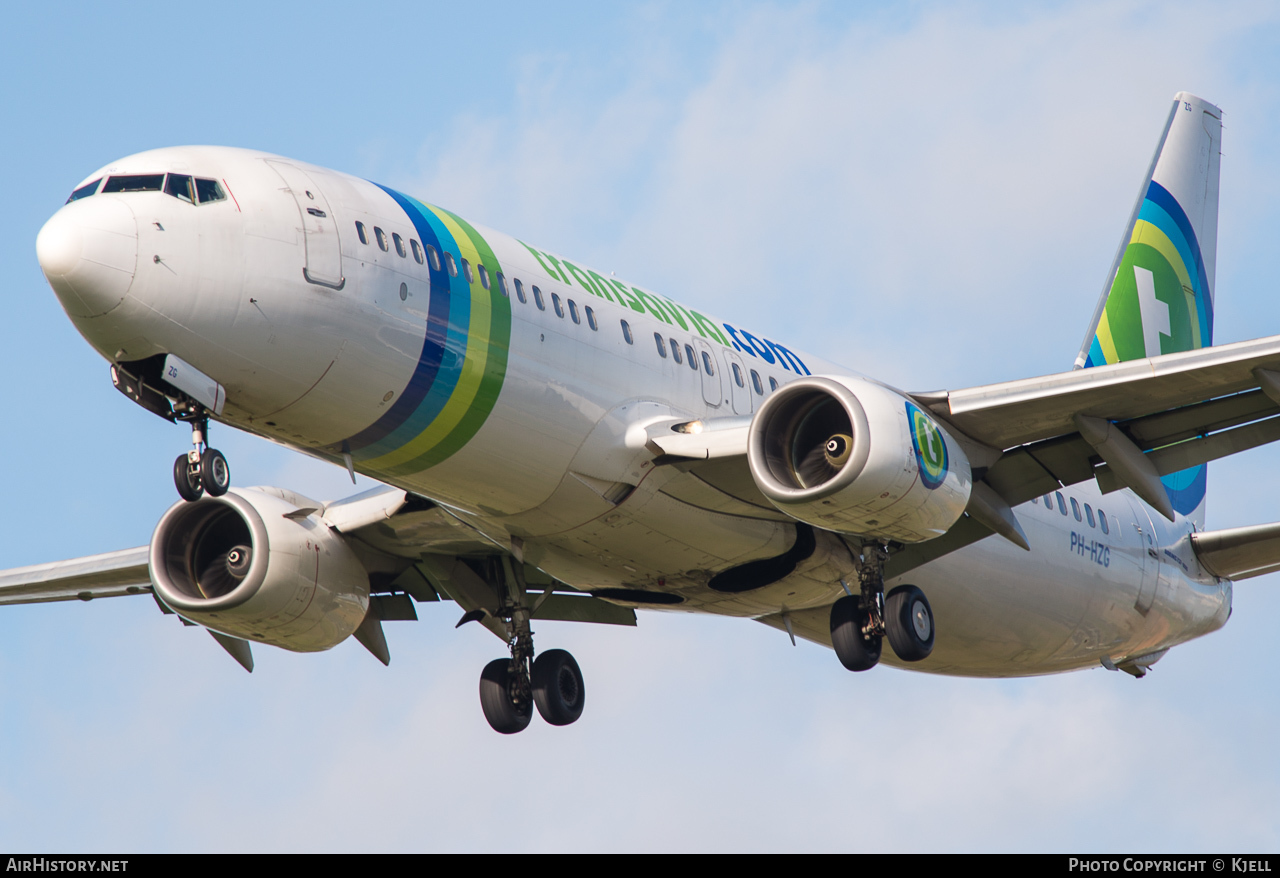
529,421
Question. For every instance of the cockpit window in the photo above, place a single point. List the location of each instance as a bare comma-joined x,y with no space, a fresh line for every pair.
134,183
85,191
179,186
209,190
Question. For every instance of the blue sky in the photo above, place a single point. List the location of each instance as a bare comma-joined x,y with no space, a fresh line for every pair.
929,193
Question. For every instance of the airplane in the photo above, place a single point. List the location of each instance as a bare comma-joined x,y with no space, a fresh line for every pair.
556,443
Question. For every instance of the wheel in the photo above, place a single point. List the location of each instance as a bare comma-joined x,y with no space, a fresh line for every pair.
855,652
909,623
187,482
500,710
215,474
557,687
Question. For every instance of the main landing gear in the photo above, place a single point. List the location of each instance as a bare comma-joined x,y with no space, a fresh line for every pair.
860,622
511,688
202,469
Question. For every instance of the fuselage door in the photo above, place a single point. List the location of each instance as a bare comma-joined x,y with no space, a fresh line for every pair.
709,366
1150,555
323,264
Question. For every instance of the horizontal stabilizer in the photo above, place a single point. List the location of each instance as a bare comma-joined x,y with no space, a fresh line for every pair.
1239,552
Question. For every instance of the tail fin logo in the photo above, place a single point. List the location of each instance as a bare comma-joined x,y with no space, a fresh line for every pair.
1159,301
930,447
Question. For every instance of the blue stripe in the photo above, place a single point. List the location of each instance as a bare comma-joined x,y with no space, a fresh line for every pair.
456,330
433,346
1162,197
1186,488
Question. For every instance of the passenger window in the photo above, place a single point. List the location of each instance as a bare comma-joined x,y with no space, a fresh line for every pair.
1075,510
399,242
180,187
382,238
502,285
573,312
1048,501
675,351
209,190
134,183
591,319
1062,504
1102,520
1088,513
484,276
706,363
433,258
555,303
755,382
417,250
662,345
693,358
773,383
537,299
626,331
466,271
737,375
360,233
85,191
520,292
449,263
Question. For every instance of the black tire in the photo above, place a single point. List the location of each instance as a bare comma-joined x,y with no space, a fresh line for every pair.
855,652
215,474
909,623
558,690
187,482
503,714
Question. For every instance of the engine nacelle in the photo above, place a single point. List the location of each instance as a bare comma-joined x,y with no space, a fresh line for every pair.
848,455
248,564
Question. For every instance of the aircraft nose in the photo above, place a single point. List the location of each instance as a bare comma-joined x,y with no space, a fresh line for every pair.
88,251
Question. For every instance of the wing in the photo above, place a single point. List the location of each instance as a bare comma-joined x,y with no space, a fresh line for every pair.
411,547
1170,413
1124,425
98,576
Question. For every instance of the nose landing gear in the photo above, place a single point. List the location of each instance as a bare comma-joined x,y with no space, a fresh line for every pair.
202,469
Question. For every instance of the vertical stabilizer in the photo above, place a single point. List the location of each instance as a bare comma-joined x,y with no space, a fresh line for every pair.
1158,297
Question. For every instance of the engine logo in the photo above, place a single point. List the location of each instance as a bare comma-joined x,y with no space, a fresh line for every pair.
930,447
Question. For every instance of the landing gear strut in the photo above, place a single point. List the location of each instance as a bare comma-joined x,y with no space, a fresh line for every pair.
511,688
202,469
859,623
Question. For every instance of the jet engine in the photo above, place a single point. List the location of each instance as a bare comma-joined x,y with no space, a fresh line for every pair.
255,566
849,455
